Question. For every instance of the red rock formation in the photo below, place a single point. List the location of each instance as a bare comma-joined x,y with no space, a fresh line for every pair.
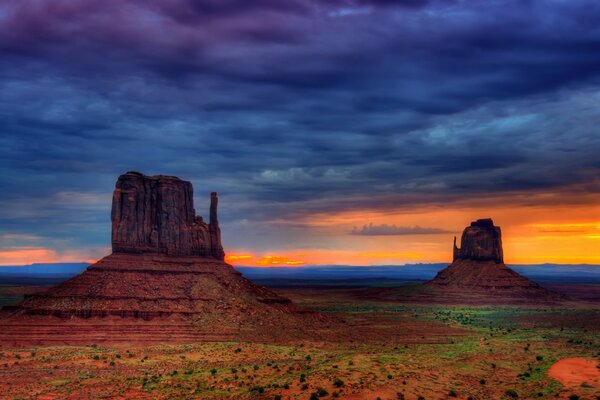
167,265
155,214
481,241
478,272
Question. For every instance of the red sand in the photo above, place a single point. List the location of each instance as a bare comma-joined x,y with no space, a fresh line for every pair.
574,372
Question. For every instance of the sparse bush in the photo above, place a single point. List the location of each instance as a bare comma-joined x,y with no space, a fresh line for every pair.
258,389
112,364
573,397
482,381
539,358
322,392
302,377
308,358
277,397
389,376
338,383
238,350
512,393
213,371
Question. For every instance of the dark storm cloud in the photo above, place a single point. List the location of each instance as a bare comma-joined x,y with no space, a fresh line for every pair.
294,107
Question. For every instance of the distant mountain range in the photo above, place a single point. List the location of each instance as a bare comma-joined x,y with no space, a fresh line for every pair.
335,275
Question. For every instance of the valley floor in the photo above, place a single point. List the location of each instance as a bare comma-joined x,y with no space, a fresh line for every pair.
415,352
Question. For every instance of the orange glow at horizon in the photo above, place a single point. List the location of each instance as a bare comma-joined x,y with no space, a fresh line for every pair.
533,233
41,255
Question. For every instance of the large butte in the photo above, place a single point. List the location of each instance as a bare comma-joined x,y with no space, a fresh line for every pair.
165,281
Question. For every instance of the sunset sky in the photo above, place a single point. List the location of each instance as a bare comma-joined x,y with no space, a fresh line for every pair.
335,131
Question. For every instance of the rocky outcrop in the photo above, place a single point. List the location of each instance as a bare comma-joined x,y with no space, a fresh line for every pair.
155,214
166,269
478,274
481,241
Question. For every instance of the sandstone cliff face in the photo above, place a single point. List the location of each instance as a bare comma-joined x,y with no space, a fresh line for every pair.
481,241
155,214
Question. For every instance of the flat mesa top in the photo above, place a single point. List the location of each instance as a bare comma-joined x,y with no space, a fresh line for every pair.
153,177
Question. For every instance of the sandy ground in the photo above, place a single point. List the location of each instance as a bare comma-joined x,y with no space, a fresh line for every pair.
577,371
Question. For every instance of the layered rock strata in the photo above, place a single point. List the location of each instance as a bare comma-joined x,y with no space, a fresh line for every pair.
167,265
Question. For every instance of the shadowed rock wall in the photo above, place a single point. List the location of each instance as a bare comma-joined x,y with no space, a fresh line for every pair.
155,214
481,241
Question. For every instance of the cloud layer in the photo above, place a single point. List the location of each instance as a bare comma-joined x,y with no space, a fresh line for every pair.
394,230
290,109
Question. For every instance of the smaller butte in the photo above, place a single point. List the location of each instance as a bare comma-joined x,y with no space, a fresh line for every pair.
478,273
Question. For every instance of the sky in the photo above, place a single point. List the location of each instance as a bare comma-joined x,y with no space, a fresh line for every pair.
357,132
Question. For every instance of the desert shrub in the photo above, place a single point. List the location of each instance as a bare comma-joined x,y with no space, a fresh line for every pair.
573,397
233,370
238,350
302,377
314,396
258,389
452,393
512,393
482,381
539,358
322,392
304,387
308,358
112,364
389,376
277,397
213,372
255,367
338,383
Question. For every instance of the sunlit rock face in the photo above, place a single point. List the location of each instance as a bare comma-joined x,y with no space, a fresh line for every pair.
155,214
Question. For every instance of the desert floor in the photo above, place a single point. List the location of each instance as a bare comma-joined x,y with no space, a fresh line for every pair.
416,352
